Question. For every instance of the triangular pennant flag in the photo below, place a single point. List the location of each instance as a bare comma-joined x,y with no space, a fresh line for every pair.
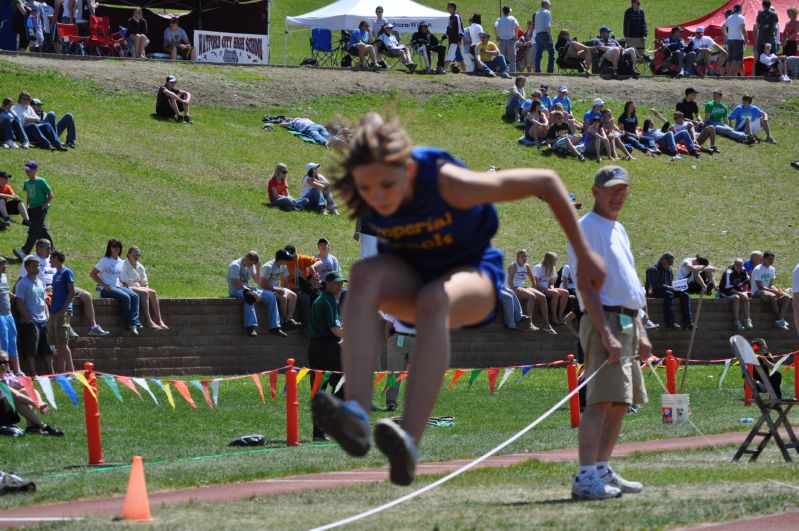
141,382
82,379
724,372
112,384
525,370
777,365
203,387
492,379
168,393
215,391
379,378
505,376
302,374
475,373
27,384
63,381
47,389
273,383
129,384
455,377
402,376
257,379
326,377
317,382
183,389
8,396
339,384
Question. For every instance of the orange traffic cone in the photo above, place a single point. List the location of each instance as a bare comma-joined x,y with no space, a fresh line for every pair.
137,505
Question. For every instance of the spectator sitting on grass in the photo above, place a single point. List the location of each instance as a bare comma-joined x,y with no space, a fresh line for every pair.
659,281
546,101
755,259
328,261
734,285
31,298
41,133
750,119
316,188
684,133
136,35
595,140
360,45
274,278
20,404
10,203
763,288
426,44
134,277
66,123
395,49
562,139
239,274
699,274
563,99
170,101
716,115
690,111
278,190
664,137
488,59
516,98
775,65
630,135
614,136
176,42
536,124
11,130
594,112
106,274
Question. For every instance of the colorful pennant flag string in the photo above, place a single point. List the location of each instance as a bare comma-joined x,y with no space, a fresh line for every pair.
141,382
47,389
184,392
257,379
127,382
215,391
111,382
85,383
508,372
63,381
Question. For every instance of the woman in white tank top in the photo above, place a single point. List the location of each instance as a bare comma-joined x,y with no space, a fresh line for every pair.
545,277
518,274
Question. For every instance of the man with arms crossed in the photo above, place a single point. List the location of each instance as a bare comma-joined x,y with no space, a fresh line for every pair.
611,331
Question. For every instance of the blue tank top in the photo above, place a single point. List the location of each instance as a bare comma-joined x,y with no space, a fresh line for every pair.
427,232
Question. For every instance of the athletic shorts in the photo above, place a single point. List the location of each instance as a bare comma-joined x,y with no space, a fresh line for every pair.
454,52
12,207
621,382
8,335
560,145
767,296
735,50
34,340
755,125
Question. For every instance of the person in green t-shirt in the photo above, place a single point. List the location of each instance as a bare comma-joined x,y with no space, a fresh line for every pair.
324,336
39,197
716,115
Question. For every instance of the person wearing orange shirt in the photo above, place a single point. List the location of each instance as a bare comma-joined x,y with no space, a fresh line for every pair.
10,203
304,280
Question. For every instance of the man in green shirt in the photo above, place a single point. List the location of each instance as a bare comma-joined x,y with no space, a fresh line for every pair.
324,336
716,115
39,196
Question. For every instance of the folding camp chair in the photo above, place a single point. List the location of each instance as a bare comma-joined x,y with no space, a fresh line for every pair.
746,356
323,50
71,42
101,40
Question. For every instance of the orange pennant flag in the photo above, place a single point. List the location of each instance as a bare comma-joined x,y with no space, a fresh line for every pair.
273,383
257,379
492,379
184,392
27,384
458,374
317,381
206,394
401,375
124,380
379,378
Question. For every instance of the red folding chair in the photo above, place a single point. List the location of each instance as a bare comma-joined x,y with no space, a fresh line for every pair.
101,40
72,43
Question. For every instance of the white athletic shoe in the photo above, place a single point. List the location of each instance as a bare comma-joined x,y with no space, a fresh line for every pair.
97,330
345,422
650,325
590,487
782,323
400,448
612,479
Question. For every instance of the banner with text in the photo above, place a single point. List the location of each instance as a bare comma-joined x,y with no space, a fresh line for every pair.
231,48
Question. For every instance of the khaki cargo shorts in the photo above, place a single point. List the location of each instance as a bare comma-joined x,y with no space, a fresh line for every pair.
58,328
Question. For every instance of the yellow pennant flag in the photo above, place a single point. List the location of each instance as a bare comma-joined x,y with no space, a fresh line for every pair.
302,374
82,379
168,393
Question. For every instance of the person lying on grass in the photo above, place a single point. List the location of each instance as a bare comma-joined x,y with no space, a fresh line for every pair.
436,268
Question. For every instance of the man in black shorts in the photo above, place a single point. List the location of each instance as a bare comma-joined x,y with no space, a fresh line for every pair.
171,101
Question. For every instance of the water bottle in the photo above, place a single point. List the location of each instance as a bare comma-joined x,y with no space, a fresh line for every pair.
746,420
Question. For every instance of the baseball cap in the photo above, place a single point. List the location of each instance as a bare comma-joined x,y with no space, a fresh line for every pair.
311,166
611,176
691,90
173,20
544,86
3,260
423,24
335,276
699,29
322,240
5,175
598,101
171,79
389,25
30,165
30,258
564,88
604,29
36,101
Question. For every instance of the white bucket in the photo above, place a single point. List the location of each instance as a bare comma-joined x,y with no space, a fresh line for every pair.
675,409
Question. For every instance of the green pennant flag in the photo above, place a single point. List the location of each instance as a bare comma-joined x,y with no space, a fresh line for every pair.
9,397
325,378
111,382
473,377
392,380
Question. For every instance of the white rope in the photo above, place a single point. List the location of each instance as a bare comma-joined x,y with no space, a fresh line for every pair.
467,466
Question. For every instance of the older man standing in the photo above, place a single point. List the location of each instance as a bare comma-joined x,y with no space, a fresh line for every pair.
505,29
543,37
612,336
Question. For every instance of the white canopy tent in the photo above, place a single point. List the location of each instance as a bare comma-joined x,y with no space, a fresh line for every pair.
346,14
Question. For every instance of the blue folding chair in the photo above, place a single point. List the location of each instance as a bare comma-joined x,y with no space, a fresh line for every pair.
323,50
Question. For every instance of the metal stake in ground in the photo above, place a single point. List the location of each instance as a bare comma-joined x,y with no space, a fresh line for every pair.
691,342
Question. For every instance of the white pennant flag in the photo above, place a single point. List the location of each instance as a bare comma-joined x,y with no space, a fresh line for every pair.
776,366
215,391
724,372
47,389
141,382
505,377
340,383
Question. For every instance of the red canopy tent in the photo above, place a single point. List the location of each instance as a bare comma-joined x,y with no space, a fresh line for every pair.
715,19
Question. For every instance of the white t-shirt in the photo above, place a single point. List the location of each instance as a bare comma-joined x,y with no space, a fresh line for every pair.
768,59
540,273
520,276
306,183
566,274
274,273
680,127
77,13
23,112
329,264
474,32
110,269
609,239
703,42
795,283
506,27
543,20
378,26
685,269
733,24
764,274
46,271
